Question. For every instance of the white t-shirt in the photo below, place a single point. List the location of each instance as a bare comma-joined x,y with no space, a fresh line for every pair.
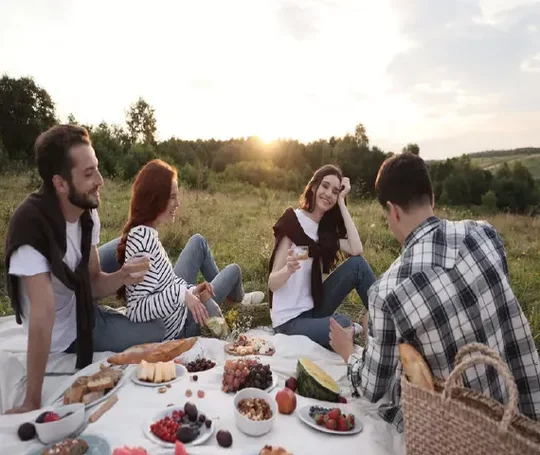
294,297
27,261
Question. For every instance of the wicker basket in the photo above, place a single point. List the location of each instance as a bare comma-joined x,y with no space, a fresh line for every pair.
453,420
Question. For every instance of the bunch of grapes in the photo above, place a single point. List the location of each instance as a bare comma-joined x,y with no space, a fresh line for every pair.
240,374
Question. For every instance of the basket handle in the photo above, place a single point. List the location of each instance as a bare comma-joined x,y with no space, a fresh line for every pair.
473,348
511,409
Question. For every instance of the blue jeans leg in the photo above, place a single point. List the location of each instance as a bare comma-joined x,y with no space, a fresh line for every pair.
354,273
107,256
196,256
317,329
115,332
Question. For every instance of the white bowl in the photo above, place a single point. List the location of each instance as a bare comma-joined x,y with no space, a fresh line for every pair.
61,429
254,427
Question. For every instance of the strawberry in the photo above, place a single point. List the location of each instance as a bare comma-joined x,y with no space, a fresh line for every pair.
51,417
319,419
325,418
334,414
342,424
350,420
331,424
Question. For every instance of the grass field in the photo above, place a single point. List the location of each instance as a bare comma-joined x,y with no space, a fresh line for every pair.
238,221
532,162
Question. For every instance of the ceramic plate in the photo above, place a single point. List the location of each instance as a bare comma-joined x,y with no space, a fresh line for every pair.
204,434
303,415
181,371
96,446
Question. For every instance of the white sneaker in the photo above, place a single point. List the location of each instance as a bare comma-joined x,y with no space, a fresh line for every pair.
253,297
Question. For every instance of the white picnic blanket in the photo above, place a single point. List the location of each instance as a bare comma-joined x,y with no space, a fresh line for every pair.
122,424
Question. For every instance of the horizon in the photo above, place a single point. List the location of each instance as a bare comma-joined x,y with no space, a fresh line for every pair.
454,77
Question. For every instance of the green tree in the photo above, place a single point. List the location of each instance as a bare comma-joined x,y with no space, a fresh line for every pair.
26,110
489,201
360,135
141,122
411,148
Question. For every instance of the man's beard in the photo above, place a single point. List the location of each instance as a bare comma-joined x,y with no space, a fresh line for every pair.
81,200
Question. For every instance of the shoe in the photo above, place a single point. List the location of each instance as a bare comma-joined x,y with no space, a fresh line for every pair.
253,298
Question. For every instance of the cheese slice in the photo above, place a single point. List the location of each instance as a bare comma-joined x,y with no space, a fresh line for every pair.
158,375
142,371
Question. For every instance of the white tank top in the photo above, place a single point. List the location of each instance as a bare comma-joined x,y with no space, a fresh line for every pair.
294,297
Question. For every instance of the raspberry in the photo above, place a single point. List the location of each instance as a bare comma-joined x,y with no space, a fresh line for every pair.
200,393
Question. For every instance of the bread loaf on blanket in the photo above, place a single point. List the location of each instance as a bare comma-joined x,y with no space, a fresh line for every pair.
415,367
153,352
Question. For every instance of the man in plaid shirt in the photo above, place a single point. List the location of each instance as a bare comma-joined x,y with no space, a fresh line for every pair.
450,287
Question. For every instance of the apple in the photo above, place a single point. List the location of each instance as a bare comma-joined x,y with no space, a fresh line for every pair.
291,384
286,401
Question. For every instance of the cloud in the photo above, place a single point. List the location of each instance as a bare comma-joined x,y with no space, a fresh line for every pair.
531,64
463,63
298,20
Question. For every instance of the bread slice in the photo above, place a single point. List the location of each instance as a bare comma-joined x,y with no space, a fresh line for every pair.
74,394
415,367
98,385
92,396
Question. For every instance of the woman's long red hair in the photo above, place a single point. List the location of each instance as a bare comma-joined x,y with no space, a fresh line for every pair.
150,196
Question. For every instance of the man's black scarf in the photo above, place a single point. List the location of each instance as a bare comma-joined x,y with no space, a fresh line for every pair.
39,223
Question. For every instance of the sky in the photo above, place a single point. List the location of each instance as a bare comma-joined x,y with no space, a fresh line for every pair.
453,76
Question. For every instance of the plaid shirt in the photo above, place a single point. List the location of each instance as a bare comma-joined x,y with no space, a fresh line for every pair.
450,287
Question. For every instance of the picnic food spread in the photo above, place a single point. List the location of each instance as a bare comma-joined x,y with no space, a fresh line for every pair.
179,427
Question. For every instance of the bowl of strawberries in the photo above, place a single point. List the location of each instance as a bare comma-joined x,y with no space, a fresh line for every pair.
59,423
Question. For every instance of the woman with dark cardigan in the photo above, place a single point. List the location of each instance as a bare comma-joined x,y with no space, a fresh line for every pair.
301,302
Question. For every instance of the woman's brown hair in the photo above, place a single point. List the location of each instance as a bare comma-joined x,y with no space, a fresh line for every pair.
332,226
150,196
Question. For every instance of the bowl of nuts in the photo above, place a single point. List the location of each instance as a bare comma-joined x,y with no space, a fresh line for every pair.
254,411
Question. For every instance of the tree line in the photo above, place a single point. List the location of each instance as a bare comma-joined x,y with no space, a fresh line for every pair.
26,109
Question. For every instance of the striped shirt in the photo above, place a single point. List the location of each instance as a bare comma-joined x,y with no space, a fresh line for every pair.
162,293
450,287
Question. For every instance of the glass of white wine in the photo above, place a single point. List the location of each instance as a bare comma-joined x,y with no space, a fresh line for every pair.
301,252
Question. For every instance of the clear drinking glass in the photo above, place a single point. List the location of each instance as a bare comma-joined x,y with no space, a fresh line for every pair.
301,252
139,257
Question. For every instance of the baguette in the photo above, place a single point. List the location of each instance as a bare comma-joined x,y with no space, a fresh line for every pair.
103,408
415,367
153,352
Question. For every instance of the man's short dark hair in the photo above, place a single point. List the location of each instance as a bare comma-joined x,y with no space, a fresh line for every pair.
404,180
52,151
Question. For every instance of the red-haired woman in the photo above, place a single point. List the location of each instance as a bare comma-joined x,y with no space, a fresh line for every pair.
168,292
301,302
